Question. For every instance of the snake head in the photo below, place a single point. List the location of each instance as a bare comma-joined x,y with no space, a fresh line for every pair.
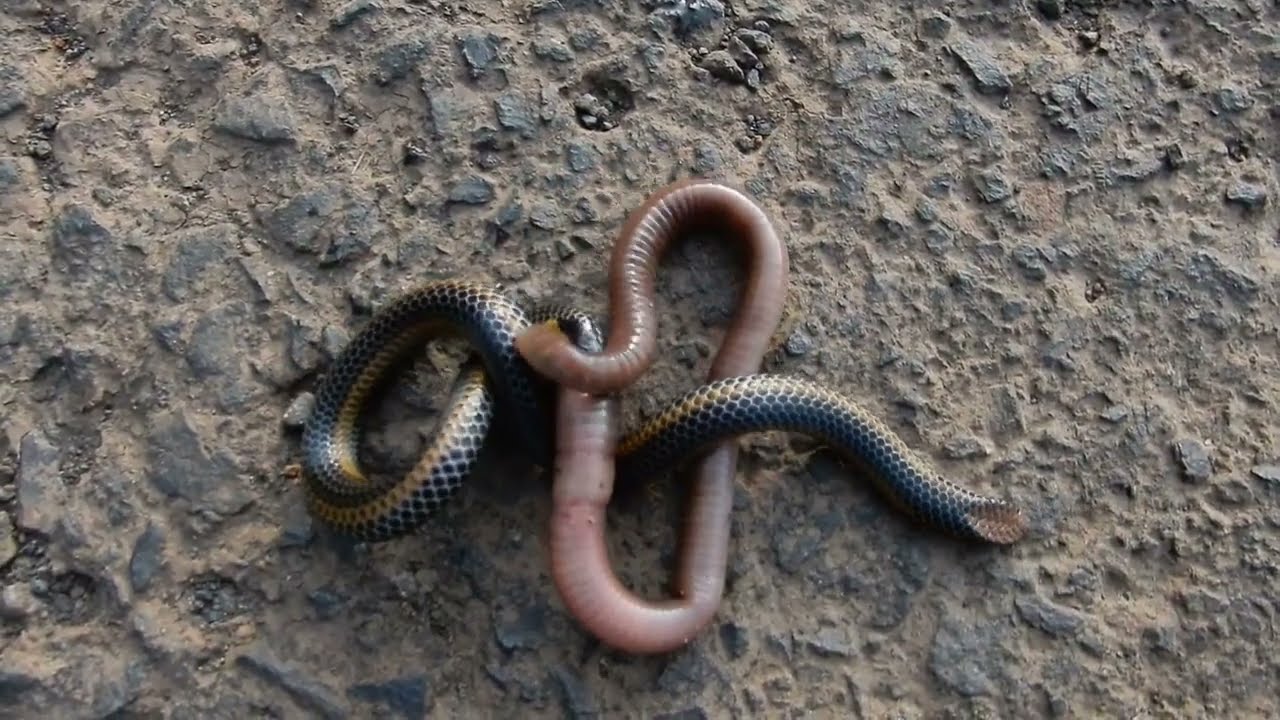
583,332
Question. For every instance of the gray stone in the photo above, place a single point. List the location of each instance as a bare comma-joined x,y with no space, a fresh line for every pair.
297,527
1251,196
1053,619
830,642
1232,100
735,639
42,497
990,78
545,216
760,43
17,688
524,628
82,247
326,222
1050,9
575,697
1086,104
1269,473
180,466
258,118
936,26
1196,465
866,54
10,174
18,602
148,556
397,61
306,691
687,673
963,657
966,448
1134,171
992,186
1057,164
13,91
327,602
8,544
408,697
685,18
199,252
353,11
213,349
706,158
585,40
472,190
1032,263
480,52
584,213
722,65
579,157
552,49
514,113
1207,269
1115,413
798,343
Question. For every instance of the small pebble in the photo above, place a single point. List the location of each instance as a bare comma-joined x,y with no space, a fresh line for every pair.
8,545
722,65
1269,473
1050,9
798,344
1196,465
473,190
17,602
1233,100
966,448
1250,196
1115,413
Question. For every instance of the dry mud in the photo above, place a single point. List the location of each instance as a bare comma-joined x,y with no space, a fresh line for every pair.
1039,238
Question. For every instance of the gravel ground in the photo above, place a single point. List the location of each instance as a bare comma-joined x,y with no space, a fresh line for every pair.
1040,238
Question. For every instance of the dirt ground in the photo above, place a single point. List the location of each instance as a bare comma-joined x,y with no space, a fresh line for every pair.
1039,238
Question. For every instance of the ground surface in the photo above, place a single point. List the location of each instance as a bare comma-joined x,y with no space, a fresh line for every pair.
1039,238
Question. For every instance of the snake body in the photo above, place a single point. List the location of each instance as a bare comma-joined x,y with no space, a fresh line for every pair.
737,406
339,491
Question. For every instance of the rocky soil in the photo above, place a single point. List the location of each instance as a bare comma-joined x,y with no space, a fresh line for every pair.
1040,238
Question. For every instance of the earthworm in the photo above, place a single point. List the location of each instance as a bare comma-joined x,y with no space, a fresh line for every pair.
586,424
682,207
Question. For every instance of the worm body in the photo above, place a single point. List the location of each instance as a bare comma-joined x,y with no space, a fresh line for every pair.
580,565
682,207
585,445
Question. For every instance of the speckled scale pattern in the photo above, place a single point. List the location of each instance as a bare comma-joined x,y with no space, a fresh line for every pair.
379,513
760,403
339,492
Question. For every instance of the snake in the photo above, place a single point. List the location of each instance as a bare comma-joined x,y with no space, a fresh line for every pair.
568,415
492,376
